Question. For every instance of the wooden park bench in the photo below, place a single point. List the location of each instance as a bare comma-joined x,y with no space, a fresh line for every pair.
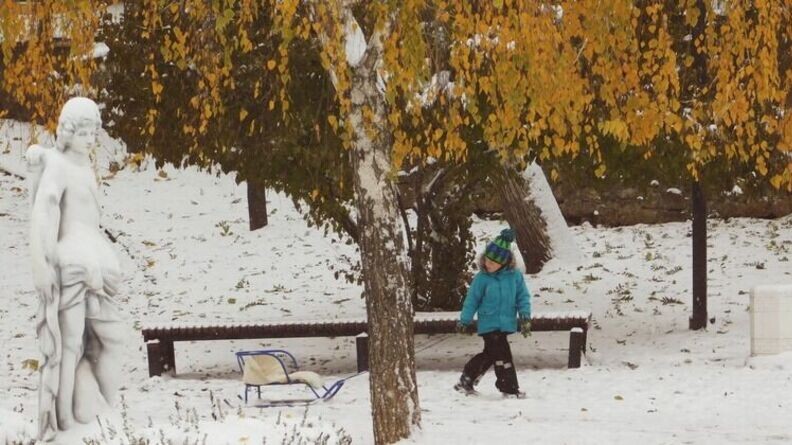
161,358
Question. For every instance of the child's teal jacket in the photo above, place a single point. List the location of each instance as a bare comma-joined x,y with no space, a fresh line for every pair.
498,298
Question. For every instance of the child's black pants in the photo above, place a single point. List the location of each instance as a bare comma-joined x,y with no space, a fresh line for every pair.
496,352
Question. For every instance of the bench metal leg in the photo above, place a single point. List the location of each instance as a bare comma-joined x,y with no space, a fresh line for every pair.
169,356
161,357
361,343
156,360
577,343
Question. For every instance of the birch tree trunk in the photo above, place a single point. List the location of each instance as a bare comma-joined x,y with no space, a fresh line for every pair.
394,391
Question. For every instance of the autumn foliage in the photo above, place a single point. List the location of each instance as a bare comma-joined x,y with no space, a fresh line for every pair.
540,80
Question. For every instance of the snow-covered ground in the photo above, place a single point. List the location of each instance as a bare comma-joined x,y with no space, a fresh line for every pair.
189,257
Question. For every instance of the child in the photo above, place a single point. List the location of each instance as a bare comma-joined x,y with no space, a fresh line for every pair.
498,293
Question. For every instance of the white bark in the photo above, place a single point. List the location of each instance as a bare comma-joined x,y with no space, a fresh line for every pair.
354,41
394,391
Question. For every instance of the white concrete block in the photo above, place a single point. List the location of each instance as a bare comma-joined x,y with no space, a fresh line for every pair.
766,325
765,303
785,325
764,346
765,298
771,319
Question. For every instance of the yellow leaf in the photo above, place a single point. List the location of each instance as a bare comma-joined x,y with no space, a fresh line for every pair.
271,105
761,167
271,64
242,114
333,121
692,15
616,128
600,171
135,158
677,125
31,364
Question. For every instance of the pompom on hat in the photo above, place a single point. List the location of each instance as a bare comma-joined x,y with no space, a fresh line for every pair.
499,249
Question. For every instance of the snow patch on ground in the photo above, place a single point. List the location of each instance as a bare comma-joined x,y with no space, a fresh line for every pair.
775,362
15,425
674,191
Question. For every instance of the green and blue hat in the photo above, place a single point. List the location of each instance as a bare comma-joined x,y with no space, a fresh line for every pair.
499,249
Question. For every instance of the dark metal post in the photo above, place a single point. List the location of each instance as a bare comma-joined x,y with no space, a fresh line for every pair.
699,318
361,343
576,346
257,205
168,355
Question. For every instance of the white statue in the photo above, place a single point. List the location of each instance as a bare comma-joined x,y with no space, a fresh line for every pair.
76,274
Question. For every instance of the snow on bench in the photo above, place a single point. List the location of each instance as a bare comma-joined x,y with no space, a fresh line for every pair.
159,338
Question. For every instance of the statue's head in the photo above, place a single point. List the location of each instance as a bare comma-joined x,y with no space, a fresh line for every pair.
78,125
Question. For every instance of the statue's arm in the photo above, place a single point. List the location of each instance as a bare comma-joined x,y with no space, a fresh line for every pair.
36,157
44,227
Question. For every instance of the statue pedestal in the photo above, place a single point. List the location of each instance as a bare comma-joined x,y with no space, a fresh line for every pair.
109,428
771,319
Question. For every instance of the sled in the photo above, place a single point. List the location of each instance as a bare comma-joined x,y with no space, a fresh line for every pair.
269,367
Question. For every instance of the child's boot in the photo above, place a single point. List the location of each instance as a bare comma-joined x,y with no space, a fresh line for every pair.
516,394
465,385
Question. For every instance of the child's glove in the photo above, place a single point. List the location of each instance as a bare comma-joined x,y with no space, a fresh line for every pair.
464,328
525,327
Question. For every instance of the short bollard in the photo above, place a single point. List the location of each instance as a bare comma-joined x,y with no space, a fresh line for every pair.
361,342
576,346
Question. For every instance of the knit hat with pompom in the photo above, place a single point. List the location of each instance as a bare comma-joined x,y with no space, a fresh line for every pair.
499,249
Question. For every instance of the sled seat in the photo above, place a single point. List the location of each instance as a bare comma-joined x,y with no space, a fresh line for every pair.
267,367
